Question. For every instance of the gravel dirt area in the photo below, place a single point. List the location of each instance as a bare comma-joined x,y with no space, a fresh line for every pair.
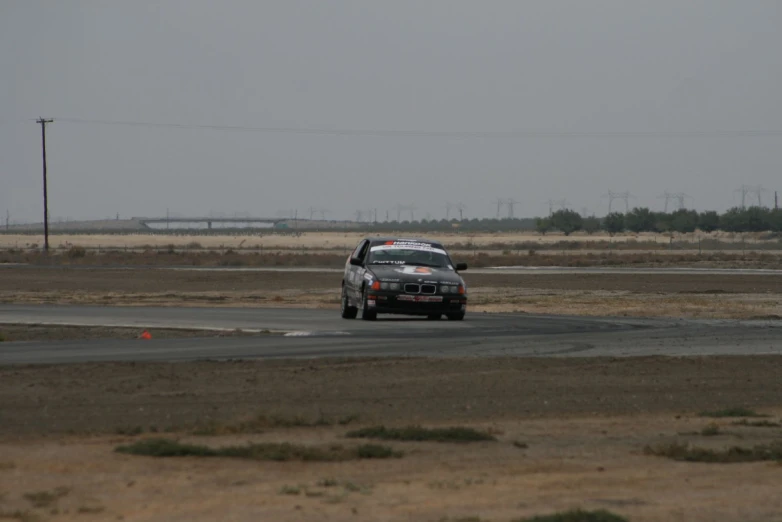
570,432
660,295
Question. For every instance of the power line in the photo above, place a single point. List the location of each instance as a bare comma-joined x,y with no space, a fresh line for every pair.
436,134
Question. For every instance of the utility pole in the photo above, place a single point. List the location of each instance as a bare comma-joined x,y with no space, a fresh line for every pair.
776,203
43,123
8,218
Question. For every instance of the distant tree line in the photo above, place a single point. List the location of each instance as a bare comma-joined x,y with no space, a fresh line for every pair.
641,219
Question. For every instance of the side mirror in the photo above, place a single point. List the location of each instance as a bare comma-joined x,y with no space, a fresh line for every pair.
356,261
461,266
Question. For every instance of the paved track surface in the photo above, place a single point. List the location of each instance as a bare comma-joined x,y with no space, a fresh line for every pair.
317,333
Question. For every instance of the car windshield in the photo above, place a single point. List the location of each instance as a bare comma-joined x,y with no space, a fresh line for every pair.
417,255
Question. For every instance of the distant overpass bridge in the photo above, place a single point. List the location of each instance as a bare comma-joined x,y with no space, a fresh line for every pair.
209,221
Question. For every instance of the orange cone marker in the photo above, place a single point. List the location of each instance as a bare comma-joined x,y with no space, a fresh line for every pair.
145,335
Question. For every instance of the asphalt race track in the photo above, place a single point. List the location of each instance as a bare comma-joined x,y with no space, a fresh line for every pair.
319,333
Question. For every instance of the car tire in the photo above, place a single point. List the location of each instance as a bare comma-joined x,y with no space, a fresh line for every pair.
434,317
348,312
366,313
456,316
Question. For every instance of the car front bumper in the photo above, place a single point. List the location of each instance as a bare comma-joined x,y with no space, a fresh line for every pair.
416,304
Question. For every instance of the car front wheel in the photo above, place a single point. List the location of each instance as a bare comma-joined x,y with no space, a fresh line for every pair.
348,312
456,316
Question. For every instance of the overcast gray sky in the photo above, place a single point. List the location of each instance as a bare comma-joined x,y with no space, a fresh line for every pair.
648,88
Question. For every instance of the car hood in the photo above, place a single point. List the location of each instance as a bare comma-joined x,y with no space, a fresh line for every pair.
415,274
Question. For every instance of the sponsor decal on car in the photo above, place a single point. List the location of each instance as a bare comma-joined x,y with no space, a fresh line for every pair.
415,270
420,298
407,245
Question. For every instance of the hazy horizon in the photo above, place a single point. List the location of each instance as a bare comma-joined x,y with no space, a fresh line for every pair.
262,107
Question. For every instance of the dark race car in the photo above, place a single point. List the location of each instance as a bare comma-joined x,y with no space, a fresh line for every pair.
403,276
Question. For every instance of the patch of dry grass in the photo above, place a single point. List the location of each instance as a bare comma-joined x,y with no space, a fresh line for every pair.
730,455
577,515
419,434
260,451
732,412
42,499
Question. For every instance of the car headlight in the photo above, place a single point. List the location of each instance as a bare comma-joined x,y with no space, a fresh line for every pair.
393,286
384,286
447,289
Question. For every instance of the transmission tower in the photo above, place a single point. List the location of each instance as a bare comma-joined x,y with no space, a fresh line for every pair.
618,195
680,197
405,208
743,190
668,197
759,190
746,190
448,207
510,203
461,207
559,204
500,203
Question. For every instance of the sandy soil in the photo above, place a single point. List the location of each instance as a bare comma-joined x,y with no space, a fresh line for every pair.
584,421
666,295
581,425
314,240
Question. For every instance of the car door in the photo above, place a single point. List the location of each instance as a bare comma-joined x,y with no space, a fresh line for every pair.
355,275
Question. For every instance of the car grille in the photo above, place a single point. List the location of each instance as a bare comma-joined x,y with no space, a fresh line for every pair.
413,288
